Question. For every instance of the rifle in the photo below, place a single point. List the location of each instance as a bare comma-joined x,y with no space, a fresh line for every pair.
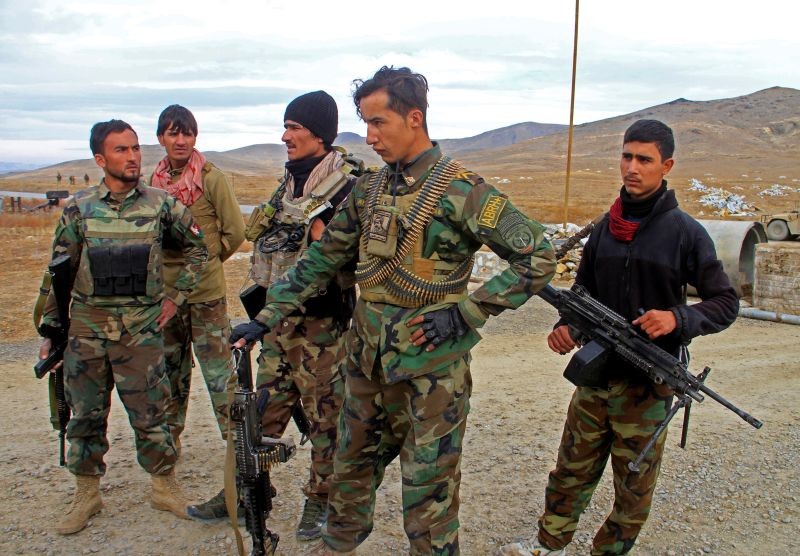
58,277
253,300
573,240
255,456
601,332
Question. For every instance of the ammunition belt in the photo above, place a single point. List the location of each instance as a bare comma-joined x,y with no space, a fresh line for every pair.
374,270
417,291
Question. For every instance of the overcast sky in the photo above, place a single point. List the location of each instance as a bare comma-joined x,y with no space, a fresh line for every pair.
66,65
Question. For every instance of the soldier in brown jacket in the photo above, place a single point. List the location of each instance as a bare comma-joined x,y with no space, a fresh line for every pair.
186,175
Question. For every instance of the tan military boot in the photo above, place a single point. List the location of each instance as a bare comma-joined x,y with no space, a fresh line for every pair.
319,548
529,547
176,438
167,495
85,504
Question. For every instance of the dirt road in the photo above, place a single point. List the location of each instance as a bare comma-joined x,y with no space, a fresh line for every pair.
733,491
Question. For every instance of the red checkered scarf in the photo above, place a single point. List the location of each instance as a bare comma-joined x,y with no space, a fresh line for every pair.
189,186
621,229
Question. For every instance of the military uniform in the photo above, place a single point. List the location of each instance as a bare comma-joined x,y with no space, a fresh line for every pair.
203,321
668,250
114,245
300,358
401,399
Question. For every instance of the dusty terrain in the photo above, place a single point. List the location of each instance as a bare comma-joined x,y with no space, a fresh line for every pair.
734,490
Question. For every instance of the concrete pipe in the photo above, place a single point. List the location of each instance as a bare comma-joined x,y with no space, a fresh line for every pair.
735,241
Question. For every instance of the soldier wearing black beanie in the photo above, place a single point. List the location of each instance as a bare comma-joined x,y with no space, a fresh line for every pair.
317,112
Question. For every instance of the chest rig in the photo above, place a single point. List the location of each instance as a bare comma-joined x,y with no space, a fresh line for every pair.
121,255
285,239
391,267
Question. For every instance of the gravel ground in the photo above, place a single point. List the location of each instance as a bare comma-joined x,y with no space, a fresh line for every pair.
734,490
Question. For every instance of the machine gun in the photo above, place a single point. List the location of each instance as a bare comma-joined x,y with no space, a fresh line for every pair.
58,277
601,332
253,300
53,199
255,456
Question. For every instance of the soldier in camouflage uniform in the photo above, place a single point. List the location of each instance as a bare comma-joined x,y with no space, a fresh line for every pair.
113,234
641,256
203,321
299,360
415,226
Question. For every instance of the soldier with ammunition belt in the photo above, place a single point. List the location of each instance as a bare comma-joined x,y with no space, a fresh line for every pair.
415,226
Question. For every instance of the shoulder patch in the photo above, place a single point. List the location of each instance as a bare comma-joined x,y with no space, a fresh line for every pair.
490,212
469,176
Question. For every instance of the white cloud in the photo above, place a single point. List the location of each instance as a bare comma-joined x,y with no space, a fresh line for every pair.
236,65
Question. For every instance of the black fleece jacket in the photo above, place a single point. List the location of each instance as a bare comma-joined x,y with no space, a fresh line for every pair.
669,250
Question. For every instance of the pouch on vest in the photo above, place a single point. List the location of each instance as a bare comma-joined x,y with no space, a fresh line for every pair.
101,264
282,237
140,258
383,230
119,270
260,220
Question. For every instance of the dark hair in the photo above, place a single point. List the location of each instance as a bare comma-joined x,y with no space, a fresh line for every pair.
177,117
101,130
407,91
652,131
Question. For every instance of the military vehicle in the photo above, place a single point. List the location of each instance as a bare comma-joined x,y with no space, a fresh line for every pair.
782,226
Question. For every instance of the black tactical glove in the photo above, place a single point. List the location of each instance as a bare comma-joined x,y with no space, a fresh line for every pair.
250,331
443,324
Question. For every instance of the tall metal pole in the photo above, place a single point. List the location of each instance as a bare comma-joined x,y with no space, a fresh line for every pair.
571,112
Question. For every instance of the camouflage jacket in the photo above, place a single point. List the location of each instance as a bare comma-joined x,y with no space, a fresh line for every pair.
166,220
458,229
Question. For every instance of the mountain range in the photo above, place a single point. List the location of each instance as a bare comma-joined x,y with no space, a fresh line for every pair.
733,142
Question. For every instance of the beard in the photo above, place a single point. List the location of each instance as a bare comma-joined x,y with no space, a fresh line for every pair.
126,177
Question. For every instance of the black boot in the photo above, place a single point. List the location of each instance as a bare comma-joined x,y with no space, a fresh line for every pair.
214,510
315,512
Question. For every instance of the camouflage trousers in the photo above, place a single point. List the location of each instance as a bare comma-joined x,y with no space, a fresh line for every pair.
205,325
422,419
300,360
615,422
135,364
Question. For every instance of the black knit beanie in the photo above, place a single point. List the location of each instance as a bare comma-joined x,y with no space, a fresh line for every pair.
316,112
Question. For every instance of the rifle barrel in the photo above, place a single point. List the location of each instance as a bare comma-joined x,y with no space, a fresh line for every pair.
741,413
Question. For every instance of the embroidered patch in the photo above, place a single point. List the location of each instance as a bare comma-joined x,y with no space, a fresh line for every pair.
491,210
379,228
195,229
515,229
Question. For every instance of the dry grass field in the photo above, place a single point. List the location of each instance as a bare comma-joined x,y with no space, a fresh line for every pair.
734,491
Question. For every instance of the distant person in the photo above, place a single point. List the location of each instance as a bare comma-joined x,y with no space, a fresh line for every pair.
300,359
58,178
407,376
86,179
639,258
116,318
72,180
185,174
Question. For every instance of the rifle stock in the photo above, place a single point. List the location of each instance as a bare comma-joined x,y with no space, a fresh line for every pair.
61,284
